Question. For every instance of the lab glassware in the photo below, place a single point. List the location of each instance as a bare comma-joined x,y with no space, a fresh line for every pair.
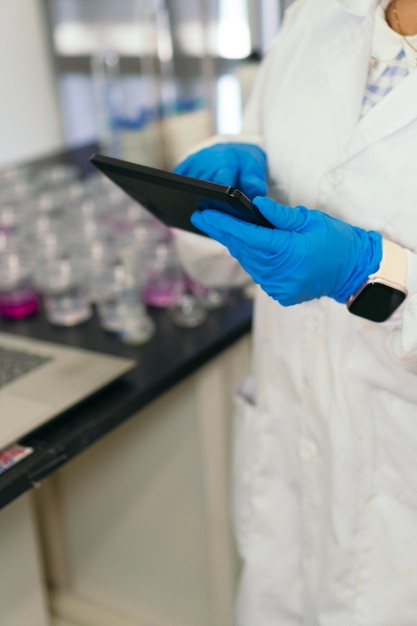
18,298
187,311
65,291
210,297
108,293
165,281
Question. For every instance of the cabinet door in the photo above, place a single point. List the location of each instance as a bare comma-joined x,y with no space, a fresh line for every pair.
145,512
22,593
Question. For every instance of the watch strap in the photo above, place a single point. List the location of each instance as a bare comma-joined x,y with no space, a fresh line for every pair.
393,266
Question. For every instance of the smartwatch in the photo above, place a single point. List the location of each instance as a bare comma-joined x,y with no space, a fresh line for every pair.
383,292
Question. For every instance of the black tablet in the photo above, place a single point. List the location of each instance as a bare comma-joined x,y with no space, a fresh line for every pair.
172,198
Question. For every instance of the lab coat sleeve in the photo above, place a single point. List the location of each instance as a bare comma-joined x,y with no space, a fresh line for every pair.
208,262
203,259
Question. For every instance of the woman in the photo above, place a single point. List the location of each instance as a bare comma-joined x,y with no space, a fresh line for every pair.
326,434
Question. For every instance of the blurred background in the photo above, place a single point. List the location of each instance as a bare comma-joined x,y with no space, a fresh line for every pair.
75,71
142,80
136,530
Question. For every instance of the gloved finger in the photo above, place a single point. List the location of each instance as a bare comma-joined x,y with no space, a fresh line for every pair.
225,175
208,225
285,253
249,258
254,261
186,167
235,165
197,165
217,224
212,221
194,167
280,215
252,185
215,163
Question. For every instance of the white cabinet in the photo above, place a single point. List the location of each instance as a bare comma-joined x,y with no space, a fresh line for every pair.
22,592
137,528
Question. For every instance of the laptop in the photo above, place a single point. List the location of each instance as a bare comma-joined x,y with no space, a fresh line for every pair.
39,380
172,198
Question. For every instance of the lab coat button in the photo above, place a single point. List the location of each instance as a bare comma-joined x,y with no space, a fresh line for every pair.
307,449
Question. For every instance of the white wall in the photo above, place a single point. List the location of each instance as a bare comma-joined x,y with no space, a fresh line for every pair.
29,111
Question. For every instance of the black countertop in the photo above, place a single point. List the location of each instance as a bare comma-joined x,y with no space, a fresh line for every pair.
169,357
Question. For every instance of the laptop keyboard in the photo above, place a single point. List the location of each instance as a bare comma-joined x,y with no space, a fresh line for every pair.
15,363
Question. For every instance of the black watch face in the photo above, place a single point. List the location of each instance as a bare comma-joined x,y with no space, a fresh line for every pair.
377,302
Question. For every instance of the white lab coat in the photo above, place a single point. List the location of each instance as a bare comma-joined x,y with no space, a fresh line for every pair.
325,462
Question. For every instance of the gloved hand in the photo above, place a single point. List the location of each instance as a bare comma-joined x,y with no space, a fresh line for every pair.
307,255
241,165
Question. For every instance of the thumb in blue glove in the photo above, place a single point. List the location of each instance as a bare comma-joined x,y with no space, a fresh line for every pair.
240,165
308,254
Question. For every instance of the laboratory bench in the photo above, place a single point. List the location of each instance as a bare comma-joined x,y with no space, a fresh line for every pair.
171,355
122,513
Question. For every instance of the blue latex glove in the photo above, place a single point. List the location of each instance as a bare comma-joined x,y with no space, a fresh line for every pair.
241,165
308,255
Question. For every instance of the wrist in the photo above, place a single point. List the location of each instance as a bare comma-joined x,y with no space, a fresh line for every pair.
368,254
385,289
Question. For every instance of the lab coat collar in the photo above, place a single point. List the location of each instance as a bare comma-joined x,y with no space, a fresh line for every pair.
346,60
394,112
359,7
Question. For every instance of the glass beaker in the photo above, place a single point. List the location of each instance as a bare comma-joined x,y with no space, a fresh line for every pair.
18,298
120,308
165,280
210,297
64,289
